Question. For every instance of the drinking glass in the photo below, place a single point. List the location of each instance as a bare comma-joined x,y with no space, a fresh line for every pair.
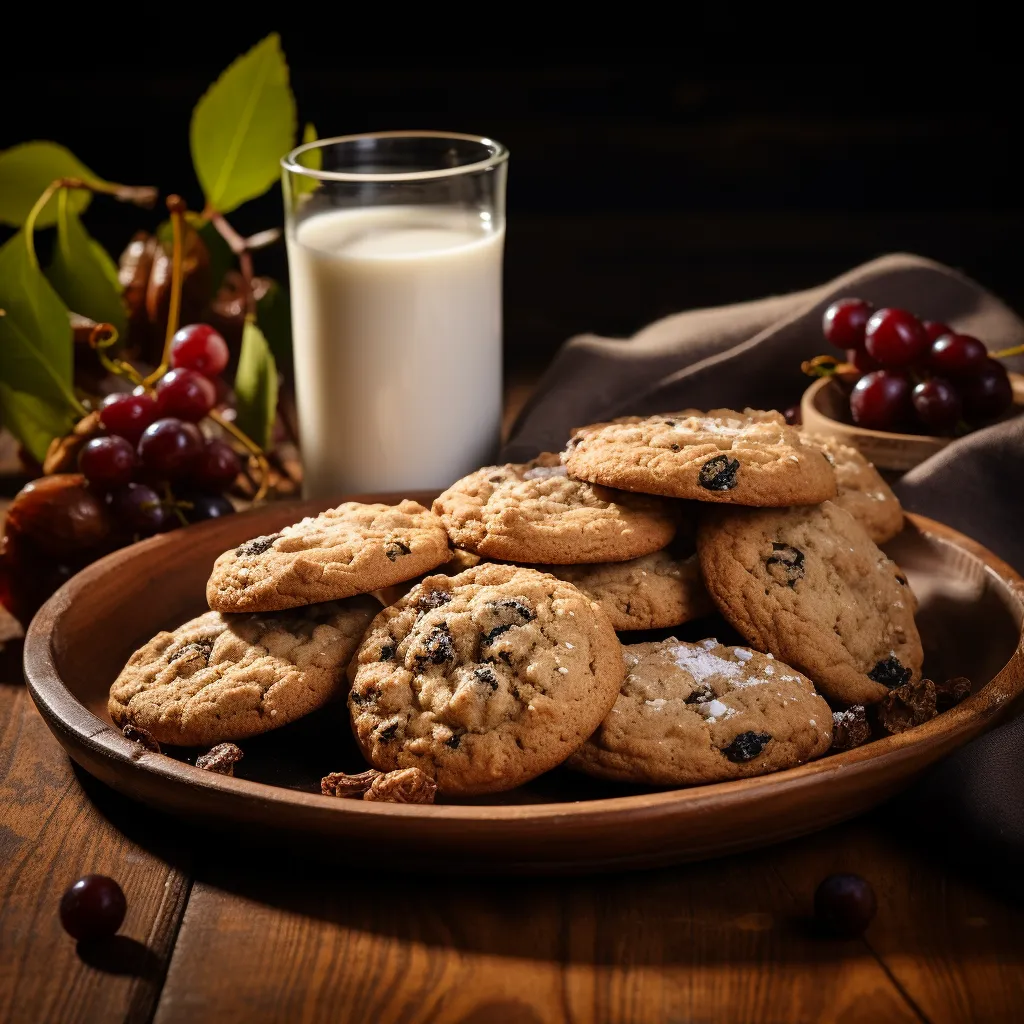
395,244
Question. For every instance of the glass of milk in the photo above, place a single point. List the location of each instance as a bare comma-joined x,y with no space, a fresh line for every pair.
395,245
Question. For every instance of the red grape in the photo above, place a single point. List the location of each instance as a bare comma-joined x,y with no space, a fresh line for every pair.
199,347
861,360
128,415
217,466
988,393
937,403
207,506
107,461
880,400
138,509
845,905
185,394
844,321
895,337
93,907
935,330
169,448
958,354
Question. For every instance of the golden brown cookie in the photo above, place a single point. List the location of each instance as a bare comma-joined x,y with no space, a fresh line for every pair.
351,549
695,713
534,512
651,592
483,680
738,458
862,491
810,586
220,677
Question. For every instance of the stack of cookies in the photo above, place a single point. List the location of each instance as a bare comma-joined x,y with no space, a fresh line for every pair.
498,653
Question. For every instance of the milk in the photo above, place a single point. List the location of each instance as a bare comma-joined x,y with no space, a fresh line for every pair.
396,316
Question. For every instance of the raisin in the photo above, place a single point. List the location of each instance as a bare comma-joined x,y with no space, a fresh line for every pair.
349,787
387,733
396,548
889,672
497,478
909,705
362,699
453,741
200,648
746,746
486,675
433,599
220,759
493,634
901,579
670,423
718,473
139,735
438,646
785,565
257,545
387,652
676,447
952,691
850,728
700,695
521,608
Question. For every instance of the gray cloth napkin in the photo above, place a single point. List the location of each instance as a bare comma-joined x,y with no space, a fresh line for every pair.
749,355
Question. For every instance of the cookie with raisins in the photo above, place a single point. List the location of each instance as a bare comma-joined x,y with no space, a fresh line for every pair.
811,587
348,550
227,677
722,456
483,680
535,512
695,713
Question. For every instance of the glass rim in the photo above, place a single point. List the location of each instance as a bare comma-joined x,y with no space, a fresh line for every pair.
498,154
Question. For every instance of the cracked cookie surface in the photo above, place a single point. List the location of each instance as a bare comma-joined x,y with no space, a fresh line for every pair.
348,550
651,592
811,587
704,712
227,677
740,458
862,491
535,512
483,680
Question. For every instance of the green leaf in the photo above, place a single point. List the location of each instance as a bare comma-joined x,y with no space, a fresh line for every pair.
22,366
81,277
37,311
27,170
256,386
274,315
242,127
314,160
33,421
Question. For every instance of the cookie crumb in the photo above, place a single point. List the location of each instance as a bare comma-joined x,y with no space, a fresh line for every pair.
951,692
404,786
348,786
220,759
139,735
908,705
850,728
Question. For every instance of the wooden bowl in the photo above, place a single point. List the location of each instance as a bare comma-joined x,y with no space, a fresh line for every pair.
972,607
824,410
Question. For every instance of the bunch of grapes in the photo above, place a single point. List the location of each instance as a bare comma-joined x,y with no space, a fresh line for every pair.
917,376
153,466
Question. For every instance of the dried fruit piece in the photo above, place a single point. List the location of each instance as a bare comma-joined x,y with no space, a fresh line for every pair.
786,564
951,692
890,672
139,735
746,746
909,705
718,473
257,545
348,787
404,786
220,759
850,728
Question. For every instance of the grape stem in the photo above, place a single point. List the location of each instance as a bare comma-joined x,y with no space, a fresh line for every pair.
1016,350
177,208
104,336
251,447
240,247
141,195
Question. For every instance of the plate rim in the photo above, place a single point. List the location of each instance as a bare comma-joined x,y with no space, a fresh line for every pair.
75,726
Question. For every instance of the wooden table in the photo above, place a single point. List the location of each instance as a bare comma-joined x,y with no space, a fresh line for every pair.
221,932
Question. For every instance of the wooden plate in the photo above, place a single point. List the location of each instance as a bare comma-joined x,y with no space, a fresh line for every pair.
824,405
972,607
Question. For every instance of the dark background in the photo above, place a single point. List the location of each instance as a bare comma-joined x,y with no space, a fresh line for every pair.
636,188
